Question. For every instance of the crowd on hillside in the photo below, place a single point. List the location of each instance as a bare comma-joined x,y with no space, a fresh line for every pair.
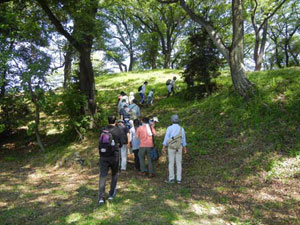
131,132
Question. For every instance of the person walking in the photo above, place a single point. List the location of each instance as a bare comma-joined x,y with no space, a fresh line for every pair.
171,86
150,97
109,158
135,143
142,92
125,139
134,110
146,133
131,97
176,142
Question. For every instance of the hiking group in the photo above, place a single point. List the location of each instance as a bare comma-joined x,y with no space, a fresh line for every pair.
131,133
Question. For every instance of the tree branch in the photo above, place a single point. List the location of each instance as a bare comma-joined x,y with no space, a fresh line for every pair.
3,1
58,25
214,34
167,1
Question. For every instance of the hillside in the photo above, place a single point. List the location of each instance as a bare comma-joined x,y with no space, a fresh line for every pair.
242,166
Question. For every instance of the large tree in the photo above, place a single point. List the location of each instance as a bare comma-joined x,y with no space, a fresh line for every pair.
167,21
123,29
232,51
83,17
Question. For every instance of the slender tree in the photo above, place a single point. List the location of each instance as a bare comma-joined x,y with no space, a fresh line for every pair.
267,10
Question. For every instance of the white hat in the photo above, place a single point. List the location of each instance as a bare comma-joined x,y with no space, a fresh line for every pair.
155,119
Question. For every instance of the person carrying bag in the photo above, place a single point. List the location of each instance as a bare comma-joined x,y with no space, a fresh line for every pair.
176,142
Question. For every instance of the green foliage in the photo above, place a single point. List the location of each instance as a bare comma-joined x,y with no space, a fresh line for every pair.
13,113
202,63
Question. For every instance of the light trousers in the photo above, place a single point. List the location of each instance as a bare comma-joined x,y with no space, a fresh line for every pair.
175,157
123,157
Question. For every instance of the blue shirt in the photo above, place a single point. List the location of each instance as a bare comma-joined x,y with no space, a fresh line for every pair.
172,131
134,141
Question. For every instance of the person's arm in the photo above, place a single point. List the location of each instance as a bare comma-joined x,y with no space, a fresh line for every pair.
129,140
154,133
184,141
165,142
137,135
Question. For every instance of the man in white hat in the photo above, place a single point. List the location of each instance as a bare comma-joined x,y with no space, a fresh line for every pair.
176,142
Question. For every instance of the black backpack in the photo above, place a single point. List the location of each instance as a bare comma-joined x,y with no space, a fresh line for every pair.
140,88
168,82
107,144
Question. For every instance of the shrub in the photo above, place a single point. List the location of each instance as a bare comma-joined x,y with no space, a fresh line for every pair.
202,62
13,112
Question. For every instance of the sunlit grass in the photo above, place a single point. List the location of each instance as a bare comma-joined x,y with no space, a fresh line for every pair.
242,166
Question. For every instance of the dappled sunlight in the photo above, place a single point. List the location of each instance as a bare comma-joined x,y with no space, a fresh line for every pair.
242,165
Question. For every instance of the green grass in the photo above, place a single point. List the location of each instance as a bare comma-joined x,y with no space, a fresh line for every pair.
242,166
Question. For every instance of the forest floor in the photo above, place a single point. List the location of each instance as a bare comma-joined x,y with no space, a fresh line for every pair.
243,165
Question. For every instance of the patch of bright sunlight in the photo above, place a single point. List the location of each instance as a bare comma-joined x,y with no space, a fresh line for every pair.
285,168
53,131
203,214
74,217
171,203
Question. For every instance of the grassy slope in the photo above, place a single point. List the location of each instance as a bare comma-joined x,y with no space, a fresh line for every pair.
243,164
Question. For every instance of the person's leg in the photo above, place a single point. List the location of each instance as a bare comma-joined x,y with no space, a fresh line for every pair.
136,159
102,177
141,94
178,164
142,159
114,176
171,158
150,163
123,157
143,98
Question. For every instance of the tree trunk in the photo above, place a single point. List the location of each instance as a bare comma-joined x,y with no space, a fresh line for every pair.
131,61
236,54
37,123
286,53
120,67
68,66
3,82
238,74
86,79
167,59
260,51
153,62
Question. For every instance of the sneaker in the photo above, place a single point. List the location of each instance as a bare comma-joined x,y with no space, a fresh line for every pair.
170,181
101,202
110,198
179,182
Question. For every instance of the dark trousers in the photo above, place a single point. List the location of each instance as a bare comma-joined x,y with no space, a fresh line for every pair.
136,159
143,97
105,164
